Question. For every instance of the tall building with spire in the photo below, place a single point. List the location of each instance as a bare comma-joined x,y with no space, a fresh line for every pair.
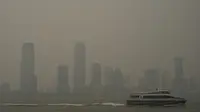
28,82
79,67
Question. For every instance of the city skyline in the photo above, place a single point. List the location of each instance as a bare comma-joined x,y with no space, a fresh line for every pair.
65,55
28,53
133,35
112,76
112,89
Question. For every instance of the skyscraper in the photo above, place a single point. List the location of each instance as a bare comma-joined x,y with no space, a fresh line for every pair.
142,84
96,75
108,76
166,80
109,80
95,85
152,79
28,81
5,88
5,92
62,82
118,85
180,83
79,67
178,63
193,83
118,78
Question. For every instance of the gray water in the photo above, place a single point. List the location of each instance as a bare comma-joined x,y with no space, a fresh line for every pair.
191,107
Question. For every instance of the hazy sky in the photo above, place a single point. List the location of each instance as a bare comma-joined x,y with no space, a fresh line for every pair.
131,34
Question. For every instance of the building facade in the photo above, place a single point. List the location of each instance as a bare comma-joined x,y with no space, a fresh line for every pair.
28,82
63,80
79,67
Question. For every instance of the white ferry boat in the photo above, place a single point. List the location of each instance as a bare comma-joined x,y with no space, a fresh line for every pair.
159,97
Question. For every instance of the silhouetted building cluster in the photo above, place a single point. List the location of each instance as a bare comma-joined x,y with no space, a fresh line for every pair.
179,85
114,83
114,86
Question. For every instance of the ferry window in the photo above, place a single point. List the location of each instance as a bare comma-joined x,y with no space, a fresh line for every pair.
168,96
157,97
165,92
149,97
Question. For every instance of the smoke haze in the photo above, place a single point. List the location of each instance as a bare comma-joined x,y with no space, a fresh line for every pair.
131,34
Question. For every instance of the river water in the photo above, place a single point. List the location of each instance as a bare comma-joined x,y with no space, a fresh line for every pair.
107,107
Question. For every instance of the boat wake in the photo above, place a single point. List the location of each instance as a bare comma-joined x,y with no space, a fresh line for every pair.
91,104
69,104
17,104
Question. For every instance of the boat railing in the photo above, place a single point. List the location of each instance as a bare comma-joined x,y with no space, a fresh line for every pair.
155,92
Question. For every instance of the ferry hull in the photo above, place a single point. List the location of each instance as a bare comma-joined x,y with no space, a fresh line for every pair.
155,103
